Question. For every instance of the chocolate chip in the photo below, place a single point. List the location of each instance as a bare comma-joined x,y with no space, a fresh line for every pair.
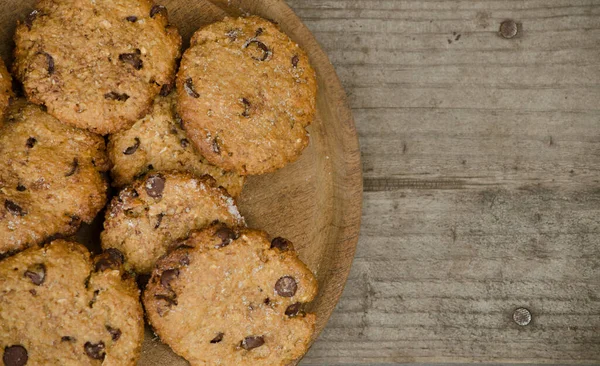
168,276
188,86
33,292
94,298
49,61
116,96
281,244
226,235
15,356
132,18
184,143
95,351
166,89
74,167
158,9
159,219
259,31
267,301
246,103
111,259
133,59
30,18
266,51
13,208
295,60
155,185
30,142
218,338
252,342
115,333
293,309
36,273
67,339
185,260
170,300
21,188
133,148
286,286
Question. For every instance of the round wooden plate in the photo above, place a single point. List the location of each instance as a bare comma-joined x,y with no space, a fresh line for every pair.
315,202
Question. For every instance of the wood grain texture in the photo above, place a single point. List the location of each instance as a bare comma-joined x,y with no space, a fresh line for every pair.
481,160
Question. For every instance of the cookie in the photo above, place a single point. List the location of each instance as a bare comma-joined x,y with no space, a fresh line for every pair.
58,307
5,89
96,64
246,94
51,177
232,297
159,209
158,142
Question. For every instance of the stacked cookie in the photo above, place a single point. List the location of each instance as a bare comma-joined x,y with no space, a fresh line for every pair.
180,146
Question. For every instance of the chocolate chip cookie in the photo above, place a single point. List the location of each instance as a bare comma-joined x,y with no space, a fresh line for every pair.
51,177
232,297
5,89
59,307
96,64
159,209
158,142
246,94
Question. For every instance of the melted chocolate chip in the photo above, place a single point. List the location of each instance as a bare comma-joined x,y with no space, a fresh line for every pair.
266,51
95,351
267,301
30,18
15,356
94,298
67,339
252,342
286,286
155,185
21,188
33,292
259,31
159,219
133,59
295,60
167,277
184,143
226,235
133,148
36,273
218,338
293,309
111,259
50,61
246,112
188,86
281,244
116,96
132,18
30,142
166,89
13,208
74,167
158,9
115,333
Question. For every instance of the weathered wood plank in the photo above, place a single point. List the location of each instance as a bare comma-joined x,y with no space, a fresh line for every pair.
481,160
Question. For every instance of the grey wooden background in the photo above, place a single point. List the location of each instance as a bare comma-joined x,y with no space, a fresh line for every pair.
482,187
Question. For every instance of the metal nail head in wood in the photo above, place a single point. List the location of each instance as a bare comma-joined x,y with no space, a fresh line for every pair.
522,316
509,29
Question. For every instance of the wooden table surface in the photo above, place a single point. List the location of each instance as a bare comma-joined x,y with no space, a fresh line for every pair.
481,160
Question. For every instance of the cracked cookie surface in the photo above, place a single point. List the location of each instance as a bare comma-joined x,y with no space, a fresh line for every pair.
158,142
96,64
156,211
60,307
246,94
50,177
232,297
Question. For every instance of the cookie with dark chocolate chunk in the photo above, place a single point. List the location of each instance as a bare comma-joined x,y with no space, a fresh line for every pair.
159,209
158,142
58,307
96,64
246,93
237,298
51,177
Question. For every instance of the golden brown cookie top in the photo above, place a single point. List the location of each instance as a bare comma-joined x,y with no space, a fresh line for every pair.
232,297
5,89
246,94
58,307
50,177
158,142
96,64
159,209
